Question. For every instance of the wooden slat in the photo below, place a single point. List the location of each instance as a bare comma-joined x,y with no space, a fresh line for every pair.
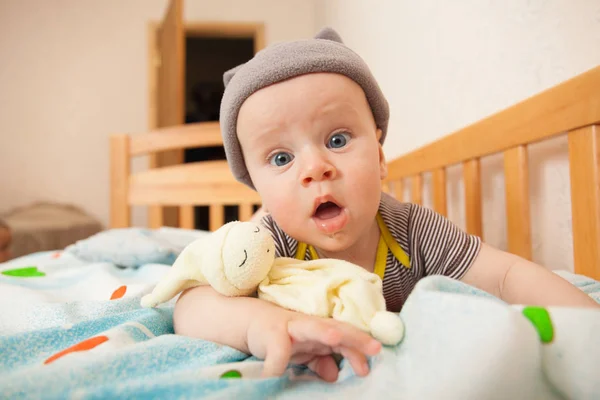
200,183
203,172
155,213
516,180
399,189
155,216
216,216
186,217
385,187
439,191
245,211
259,38
584,161
201,134
224,29
120,212
170,89
472,181
416,191
200,195
567,106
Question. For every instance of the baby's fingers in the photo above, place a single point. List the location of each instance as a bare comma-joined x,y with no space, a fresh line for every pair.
357,360
354,338
278,353
333,335
325,367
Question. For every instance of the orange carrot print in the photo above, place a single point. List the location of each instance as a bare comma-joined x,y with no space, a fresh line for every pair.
120,292
81,346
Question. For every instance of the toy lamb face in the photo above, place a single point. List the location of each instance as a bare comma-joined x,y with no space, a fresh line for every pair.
233,260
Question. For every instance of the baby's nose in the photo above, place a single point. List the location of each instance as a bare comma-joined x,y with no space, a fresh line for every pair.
318,169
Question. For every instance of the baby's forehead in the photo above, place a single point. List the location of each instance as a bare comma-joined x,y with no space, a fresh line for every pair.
312,99
320,91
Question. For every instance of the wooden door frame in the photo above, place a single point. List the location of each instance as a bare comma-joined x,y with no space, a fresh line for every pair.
249,30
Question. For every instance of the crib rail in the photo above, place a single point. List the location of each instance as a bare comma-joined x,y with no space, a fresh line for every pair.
207,183
571,108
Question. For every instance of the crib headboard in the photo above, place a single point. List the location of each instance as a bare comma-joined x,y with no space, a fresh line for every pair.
207,183
571,108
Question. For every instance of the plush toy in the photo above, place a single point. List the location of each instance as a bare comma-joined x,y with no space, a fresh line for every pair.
234,259
239,259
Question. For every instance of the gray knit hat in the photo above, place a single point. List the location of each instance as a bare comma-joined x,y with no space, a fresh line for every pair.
324,53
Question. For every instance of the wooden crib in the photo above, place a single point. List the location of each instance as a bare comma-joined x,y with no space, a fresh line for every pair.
571,108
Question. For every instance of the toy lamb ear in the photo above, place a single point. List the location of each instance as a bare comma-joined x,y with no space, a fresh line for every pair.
328,33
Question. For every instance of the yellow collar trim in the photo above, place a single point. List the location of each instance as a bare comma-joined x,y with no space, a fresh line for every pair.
381,258
391,243
386,242
301,251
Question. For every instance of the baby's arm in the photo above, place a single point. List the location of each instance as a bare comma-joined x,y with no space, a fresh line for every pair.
519,281
271,333
203,313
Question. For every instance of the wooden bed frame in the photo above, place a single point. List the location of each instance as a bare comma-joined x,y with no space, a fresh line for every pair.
571,108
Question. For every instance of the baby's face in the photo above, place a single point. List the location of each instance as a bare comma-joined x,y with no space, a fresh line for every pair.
311,147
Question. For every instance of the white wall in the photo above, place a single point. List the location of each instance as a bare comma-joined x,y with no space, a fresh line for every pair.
74,71
446,64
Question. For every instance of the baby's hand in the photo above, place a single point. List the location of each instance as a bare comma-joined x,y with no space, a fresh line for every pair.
280,336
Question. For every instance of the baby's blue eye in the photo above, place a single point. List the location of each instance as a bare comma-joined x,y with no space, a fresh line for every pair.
338,140
281,159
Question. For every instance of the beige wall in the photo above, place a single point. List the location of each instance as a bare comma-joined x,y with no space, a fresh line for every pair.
73,72
444,65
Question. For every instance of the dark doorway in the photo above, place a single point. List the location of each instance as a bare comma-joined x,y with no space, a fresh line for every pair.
207,58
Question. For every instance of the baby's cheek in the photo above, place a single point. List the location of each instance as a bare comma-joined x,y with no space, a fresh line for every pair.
280,203
367,187
284,210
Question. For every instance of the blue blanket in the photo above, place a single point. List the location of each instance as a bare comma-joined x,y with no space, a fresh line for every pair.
73,328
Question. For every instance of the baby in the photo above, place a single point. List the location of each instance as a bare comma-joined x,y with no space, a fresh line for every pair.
303,123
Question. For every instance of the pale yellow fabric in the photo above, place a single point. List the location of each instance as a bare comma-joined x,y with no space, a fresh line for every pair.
332,288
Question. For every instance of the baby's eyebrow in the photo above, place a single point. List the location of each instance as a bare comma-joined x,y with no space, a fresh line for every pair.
339,106
266,138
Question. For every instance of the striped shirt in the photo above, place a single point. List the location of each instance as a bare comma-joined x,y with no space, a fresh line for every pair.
432,243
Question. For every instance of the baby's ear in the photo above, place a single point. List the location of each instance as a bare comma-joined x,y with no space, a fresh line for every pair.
229,74
383,170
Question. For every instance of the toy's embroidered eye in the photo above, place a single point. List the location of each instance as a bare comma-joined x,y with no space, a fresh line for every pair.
257,230
268,250
338,140
281,159
245,259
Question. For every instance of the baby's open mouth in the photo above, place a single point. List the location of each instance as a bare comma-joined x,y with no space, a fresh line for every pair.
327,210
